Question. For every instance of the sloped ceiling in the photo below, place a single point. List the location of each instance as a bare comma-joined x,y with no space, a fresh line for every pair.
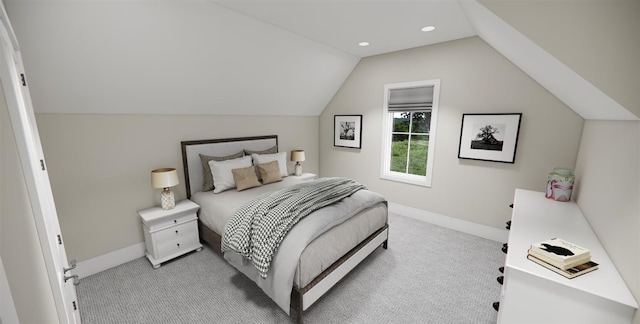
170,57
200,57
388,25
613,62
268,57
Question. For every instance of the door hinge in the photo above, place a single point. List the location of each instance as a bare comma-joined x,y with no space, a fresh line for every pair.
24,79
75,307
59,239
42,165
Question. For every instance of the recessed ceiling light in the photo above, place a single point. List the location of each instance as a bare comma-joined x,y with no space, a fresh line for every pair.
428,28
363,44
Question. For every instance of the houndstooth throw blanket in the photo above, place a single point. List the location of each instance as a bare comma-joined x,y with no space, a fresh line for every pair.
257,228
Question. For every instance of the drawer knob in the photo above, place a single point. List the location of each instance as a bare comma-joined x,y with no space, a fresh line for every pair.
178,244
176,231
175,220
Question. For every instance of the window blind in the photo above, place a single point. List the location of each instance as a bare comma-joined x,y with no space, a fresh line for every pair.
410,99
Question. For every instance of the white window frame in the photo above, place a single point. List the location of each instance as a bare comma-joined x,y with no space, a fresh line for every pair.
387,127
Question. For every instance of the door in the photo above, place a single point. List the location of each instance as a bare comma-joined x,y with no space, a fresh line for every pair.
23,122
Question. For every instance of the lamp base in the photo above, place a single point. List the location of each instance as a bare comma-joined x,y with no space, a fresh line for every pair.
168,200
298,169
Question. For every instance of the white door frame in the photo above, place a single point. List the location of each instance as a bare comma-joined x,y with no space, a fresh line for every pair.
35,174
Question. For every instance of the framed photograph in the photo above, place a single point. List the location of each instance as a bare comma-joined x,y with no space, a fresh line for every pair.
489,137
347,131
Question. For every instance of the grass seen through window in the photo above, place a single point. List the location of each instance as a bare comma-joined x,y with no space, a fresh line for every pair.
417,155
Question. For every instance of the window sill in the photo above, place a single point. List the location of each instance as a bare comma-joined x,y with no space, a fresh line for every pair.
422,181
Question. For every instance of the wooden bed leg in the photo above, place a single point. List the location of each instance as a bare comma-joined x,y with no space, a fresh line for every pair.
384,244
299,310
296,304
300,318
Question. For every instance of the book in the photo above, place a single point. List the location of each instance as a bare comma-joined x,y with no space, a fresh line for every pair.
561,252
563,266
568,273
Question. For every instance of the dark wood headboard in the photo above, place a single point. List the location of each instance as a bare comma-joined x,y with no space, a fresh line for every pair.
191,150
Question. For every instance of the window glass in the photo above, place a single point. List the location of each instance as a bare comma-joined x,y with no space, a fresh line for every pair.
409,132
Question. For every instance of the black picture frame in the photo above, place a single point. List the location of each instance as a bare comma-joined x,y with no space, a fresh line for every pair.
489,137
347,131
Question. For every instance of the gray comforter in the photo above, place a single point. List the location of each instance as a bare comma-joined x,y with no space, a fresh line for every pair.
279,280
257,228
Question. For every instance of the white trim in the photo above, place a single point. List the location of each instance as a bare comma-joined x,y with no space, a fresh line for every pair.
480,230
35,174
130,253
8,314
387,124
109,260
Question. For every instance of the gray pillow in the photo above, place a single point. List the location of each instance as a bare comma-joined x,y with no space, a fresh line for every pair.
207,178
267,151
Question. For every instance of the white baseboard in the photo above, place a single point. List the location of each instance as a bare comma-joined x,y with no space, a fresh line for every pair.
483,231
109,260
116,258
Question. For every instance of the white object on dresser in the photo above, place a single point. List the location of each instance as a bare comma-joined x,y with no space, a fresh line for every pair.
170,233
307,176
534,294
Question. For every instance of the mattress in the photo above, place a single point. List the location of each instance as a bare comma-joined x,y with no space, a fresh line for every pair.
320,254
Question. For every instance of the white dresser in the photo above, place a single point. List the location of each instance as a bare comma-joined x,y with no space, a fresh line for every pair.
534,294
170,233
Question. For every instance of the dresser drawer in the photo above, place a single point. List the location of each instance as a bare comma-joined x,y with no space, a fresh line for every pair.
172,232
178,244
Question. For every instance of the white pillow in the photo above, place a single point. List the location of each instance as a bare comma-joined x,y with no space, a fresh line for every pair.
222,175
266,158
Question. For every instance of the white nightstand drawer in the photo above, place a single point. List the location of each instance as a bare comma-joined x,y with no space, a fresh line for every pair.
183,229
156,219
178,244
170,222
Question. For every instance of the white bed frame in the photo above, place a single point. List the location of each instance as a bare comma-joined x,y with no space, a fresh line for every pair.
301,298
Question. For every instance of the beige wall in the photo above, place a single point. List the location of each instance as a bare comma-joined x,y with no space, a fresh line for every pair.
598,39
474,79
100,165
19,243
608,192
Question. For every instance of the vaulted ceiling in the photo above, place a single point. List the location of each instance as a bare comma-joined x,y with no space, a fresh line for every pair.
231,57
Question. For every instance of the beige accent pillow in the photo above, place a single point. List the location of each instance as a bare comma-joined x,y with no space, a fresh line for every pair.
207,178
269,172
280,157
267,151
245,178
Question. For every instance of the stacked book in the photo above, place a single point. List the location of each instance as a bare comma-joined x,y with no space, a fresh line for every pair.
565,258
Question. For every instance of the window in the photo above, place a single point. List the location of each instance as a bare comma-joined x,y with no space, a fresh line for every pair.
409,127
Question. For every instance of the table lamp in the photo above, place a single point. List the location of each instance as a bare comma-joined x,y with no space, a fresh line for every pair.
298,156
165,178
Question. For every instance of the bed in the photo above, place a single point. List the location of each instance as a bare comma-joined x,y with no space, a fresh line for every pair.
309,266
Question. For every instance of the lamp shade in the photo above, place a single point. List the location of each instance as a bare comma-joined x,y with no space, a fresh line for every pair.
297,155
164,178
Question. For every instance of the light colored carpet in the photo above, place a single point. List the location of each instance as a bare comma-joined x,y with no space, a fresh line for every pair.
429,274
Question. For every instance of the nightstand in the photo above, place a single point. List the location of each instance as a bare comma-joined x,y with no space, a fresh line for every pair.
170,233
306,176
